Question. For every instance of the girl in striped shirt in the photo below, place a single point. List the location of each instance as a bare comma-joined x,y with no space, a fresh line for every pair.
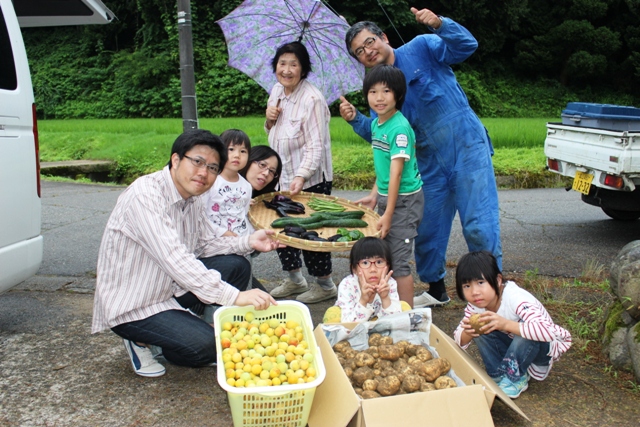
519,339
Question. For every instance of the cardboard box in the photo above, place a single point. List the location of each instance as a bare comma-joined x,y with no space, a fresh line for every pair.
336,404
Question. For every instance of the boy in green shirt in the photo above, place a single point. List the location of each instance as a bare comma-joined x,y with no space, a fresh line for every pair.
398,186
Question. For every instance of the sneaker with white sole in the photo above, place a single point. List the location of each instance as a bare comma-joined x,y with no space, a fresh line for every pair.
142,360
317,294
513,389
287,288
426,300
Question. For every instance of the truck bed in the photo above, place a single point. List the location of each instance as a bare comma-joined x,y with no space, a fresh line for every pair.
595,151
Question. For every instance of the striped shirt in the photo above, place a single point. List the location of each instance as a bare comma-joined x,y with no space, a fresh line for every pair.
150,250
301,135
535,324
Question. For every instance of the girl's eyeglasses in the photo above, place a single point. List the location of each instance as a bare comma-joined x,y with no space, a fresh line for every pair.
263,165
366,263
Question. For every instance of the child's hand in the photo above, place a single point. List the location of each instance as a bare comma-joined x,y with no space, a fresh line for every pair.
384,225
494,322
368,201
367,291
383,287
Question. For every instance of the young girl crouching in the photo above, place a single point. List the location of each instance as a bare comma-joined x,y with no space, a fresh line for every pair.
518,339
369,290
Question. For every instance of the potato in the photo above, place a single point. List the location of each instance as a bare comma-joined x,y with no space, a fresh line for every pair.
403,344
386,340
444,382
373,350
424,355
476,323
412,383
348,372
349,353
374,339
383,364
362,374
390,352
340,346
351,363
412,349
341,359
370,384
364,359
427,386
389,386
434,368
388,372
369,394
358,390
399,364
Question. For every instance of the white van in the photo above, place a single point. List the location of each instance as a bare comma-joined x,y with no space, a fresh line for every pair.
20,207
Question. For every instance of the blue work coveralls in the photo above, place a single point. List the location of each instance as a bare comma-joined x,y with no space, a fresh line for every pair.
453,149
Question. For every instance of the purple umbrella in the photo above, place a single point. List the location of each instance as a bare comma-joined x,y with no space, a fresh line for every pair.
256,28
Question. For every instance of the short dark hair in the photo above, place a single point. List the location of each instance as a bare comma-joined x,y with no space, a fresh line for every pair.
356,29
300,51
189,139
392,77
369,247
263,152
235,137
478,265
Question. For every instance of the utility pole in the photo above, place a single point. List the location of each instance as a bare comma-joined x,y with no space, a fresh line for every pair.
187,74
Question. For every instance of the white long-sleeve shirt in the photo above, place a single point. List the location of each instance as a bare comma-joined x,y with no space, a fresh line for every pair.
349,301
301,135
535,324
150,250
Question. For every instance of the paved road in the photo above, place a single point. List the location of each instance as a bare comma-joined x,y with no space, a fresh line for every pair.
550,230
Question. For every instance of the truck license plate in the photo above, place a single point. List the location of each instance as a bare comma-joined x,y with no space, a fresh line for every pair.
582,182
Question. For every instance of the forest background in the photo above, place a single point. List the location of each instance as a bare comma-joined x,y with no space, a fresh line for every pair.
534,56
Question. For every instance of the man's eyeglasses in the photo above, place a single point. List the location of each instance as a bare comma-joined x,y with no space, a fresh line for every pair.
200,163
264,165
366,263
368,43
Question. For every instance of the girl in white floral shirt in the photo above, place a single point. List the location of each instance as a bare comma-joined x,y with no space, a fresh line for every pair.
369,290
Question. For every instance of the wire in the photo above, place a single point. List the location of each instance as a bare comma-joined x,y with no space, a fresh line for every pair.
390,21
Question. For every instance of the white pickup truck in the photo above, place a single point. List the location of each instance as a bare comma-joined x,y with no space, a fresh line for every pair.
604,163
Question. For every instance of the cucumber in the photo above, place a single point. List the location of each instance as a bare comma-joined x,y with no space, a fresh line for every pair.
346,214
348,222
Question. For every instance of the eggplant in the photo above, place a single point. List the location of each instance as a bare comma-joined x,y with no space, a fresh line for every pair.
308,234
291,234
335,237
281,212
295,229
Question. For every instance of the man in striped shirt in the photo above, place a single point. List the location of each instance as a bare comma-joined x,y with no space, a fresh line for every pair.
159,257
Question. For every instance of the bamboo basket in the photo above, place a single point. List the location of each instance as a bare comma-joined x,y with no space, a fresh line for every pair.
261,217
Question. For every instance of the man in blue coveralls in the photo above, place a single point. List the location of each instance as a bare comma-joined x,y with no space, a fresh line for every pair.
453,148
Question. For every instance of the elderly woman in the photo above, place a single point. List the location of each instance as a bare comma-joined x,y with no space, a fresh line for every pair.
298,128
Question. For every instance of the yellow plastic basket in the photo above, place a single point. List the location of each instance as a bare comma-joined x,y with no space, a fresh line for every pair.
278,406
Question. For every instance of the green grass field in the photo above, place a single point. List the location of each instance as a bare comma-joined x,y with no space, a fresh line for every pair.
141,146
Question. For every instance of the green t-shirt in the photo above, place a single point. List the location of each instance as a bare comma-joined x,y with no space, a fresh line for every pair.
390,140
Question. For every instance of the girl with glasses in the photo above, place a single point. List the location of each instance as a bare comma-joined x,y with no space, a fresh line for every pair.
369,290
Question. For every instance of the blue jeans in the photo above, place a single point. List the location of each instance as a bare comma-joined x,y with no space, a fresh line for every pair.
503,355
185,339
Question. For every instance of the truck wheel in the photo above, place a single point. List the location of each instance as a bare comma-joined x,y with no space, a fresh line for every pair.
622,215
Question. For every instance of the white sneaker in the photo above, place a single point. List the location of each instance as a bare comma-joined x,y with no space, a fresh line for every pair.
426,300
287,288
142,360
317,294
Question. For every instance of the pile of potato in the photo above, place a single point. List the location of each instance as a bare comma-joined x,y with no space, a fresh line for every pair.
387,368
